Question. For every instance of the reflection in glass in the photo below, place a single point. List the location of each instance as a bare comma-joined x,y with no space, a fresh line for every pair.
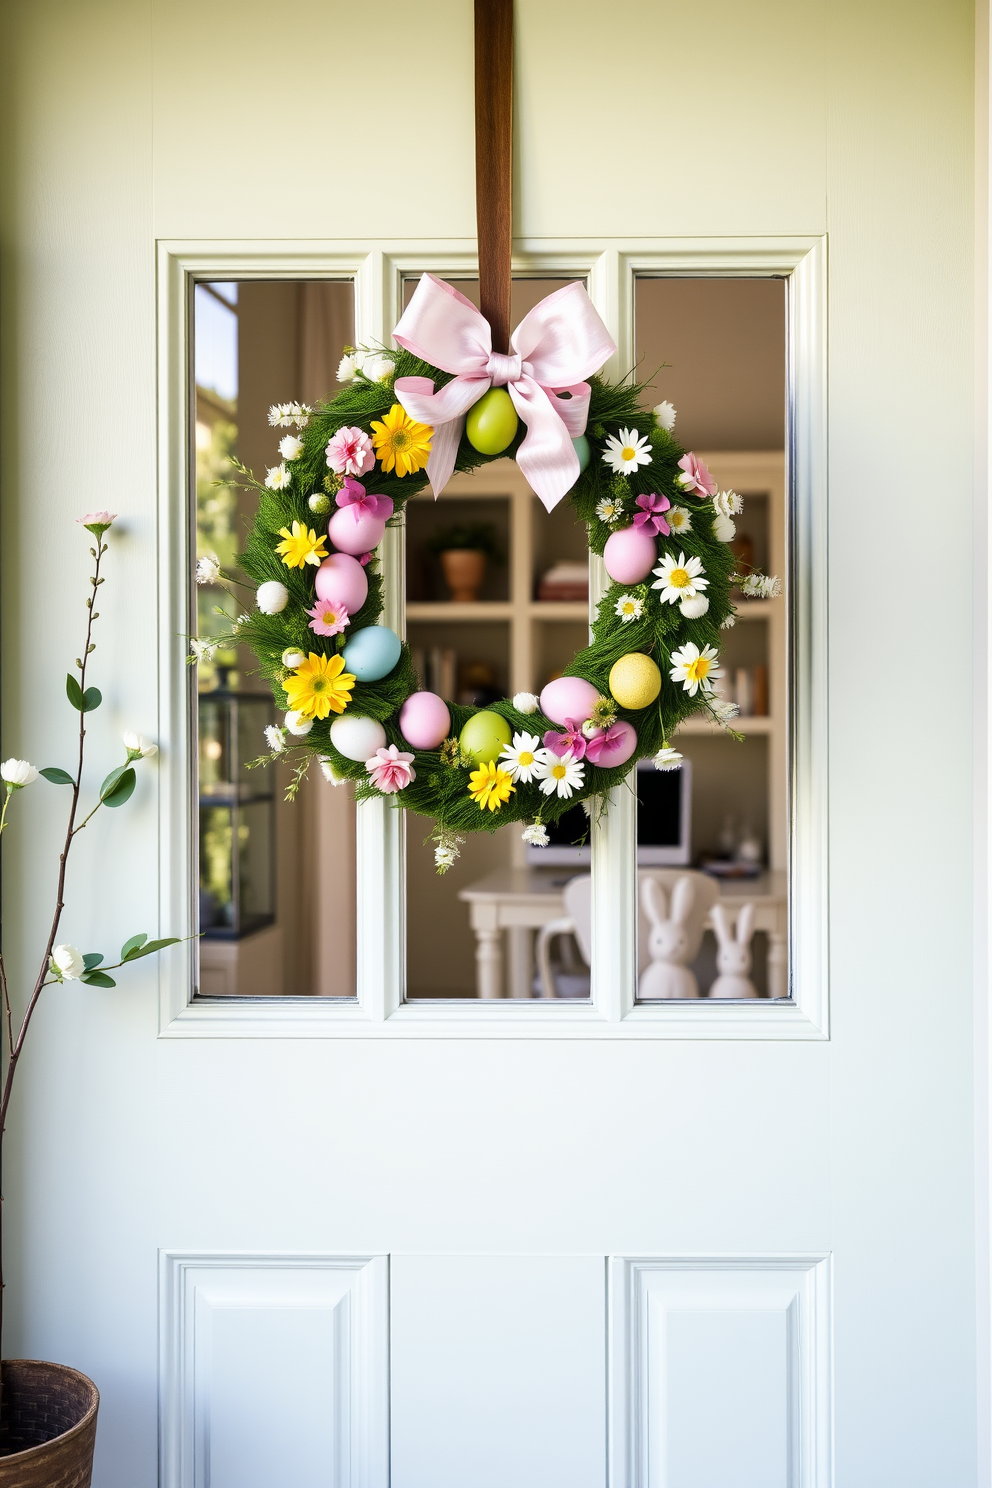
277,879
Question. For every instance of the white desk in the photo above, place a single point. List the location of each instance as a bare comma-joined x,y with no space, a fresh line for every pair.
521,900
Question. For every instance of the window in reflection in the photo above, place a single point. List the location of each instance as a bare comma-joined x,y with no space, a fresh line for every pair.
276,879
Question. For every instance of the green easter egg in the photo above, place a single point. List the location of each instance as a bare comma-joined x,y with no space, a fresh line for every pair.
484,736
492,422
581,448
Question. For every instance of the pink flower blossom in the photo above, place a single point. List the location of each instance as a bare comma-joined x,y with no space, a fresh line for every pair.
605,746
329,617
349,452
391,770
649,516
354,494
365,559
101,519
572,739
697,480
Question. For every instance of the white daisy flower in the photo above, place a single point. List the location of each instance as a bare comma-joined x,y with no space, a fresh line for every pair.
694,609
760,586
526,758
208,569
348,368
526,702
679,578
281,415
328,771
678,519
724,529
278,478
275,737
563,775
729,622
728,503
290,447
536,834
627,451
610,509
695,669
629,607
664,414
298,725
667,758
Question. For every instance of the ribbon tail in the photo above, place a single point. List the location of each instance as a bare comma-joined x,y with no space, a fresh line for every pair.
573,411
546,457
444,453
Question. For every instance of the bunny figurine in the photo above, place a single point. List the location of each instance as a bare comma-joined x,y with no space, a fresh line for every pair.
668,976
733,958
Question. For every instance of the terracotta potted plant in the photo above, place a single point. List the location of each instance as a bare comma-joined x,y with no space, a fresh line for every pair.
48,1411
464,550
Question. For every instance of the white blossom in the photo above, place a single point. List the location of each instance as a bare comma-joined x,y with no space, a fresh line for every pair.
272,597
281,415
290,447
328,771
723,711
138,747
292,658
202,650
761,586
664,414
298,725
348,368
724,529
692,609
536,834
377,368
299,414
728,503
278,478
17,773
319,503
729,622
447,851
526,702
208,569
667,758
275,737
68,963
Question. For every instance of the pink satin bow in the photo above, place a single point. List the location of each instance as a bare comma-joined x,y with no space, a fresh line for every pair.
354,494
554,348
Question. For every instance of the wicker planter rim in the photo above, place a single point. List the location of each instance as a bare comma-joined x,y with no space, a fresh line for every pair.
65,1459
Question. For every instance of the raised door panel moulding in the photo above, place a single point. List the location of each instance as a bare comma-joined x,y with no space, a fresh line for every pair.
720,1372
274,1369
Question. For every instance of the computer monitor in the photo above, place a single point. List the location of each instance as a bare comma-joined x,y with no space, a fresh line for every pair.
664,823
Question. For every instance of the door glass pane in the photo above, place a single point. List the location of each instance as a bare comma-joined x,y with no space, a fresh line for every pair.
268,869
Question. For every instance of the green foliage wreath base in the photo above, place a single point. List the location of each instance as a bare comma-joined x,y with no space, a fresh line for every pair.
440,789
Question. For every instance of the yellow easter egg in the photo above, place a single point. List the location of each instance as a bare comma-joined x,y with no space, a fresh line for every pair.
635,680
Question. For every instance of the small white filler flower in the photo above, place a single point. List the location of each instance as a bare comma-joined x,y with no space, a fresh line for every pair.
17,773
667,758
664,415
319,503
348,368
728,503
272,597
564,775
202,650
723,711
679,578
292,658
526,702
761,586
297,724
695,669
290,447
328,771
275,737
629,607
536,835
447,851
281,415
627,451
377,368
724,530
138,747
526,758
694,609
278,478
609,510
208,569
67,963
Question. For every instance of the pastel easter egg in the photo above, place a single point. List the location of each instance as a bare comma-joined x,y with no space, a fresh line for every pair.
630,555
357,738
635,680
372,652
484,736
492,422
568,697
352,530
425,722
581,448
620,745
342,578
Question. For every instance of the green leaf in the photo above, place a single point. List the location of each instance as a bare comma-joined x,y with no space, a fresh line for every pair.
97,979
91,959
74,693
121,789
57,776
130,946
92,698
150,948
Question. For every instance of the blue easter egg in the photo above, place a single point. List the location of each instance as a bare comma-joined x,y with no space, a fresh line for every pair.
372,653
581,448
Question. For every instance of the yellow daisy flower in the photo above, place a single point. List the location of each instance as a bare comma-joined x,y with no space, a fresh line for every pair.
300,546
490,786
319,686
401,442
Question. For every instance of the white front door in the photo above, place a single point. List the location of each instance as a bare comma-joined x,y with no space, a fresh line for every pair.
379,1241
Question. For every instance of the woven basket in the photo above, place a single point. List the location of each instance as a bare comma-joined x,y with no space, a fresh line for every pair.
47,1425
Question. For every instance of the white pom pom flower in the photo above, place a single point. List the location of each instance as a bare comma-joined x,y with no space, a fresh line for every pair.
272,597
664,415
290,447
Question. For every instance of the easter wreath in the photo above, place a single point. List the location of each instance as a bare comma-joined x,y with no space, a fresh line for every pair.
650,508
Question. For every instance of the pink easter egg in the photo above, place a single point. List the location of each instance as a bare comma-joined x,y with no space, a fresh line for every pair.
342,578
630,555
352,530
619,747
568,697
425,722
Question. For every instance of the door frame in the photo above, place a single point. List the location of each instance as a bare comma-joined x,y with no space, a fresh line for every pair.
378,270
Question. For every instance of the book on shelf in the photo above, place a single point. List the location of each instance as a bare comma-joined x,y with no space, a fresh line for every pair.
564,581
437,669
